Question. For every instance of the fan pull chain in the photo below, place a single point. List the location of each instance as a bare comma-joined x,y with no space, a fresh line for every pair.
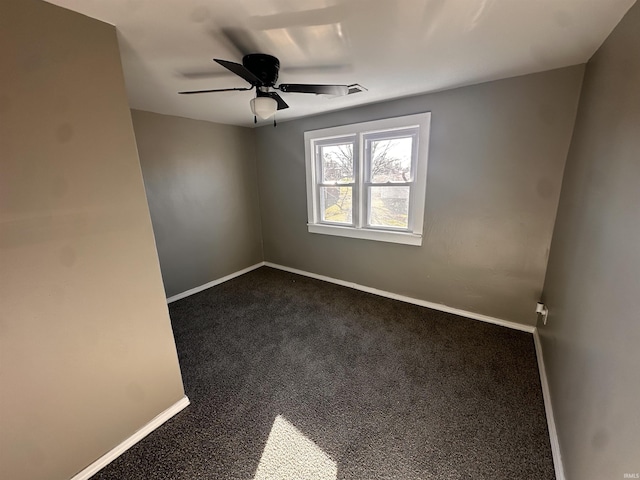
274,122
255,119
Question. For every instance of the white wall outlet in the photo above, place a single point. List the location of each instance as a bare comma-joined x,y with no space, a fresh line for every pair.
542,309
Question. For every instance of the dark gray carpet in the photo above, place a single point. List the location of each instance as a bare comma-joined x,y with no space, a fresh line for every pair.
388,390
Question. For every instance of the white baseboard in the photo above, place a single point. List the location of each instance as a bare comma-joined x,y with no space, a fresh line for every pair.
375,291
111,455
415,301
551,424
214,283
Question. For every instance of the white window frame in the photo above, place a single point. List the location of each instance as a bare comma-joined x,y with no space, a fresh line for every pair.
418,184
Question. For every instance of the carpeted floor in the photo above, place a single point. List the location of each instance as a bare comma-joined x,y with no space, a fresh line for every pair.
374,388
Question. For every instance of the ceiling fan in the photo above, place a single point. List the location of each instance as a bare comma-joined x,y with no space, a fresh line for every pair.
261,71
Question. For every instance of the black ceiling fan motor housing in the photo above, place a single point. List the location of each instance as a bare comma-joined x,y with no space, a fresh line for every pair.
263,66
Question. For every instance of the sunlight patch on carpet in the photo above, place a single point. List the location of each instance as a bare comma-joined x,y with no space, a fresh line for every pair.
290,455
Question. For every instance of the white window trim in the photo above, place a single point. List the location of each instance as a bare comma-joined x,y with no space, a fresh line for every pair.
411,236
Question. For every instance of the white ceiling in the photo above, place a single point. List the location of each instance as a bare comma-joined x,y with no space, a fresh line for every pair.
392,47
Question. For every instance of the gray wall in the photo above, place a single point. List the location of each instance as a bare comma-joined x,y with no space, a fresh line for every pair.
496,159
591,343
86,349
202,189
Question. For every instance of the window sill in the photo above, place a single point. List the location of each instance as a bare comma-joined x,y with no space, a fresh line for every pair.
406,238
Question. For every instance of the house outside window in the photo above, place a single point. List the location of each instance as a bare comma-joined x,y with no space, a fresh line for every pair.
368,180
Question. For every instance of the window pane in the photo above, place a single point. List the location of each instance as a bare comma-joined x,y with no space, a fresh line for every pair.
336,204
337,163
389,207
391,160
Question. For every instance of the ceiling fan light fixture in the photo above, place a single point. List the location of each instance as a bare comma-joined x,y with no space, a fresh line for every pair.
264,107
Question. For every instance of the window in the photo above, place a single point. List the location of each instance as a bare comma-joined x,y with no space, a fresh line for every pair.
368,180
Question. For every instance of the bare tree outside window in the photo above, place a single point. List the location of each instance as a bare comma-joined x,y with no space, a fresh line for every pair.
337,163
391,160
390,165
338,168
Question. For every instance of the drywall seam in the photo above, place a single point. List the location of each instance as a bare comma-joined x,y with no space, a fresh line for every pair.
213,283
551,424
111,455
415,301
